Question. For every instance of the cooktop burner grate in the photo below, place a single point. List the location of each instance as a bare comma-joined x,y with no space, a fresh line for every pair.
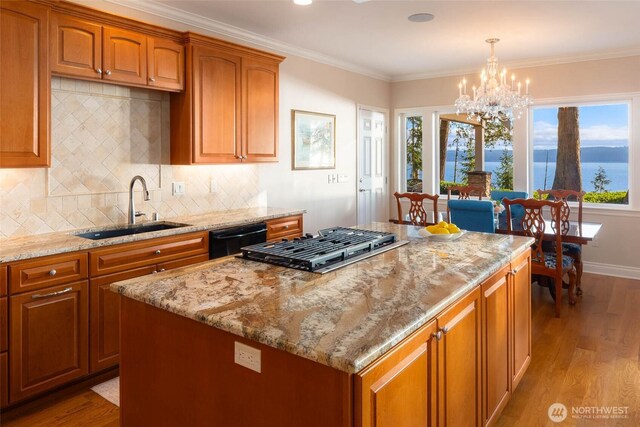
331,247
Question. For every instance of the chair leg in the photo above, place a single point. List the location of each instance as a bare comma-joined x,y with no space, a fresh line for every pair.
572,285
578,264
558,285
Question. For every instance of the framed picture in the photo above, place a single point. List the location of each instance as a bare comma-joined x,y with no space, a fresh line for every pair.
313,137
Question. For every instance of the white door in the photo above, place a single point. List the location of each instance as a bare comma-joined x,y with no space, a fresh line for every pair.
372,203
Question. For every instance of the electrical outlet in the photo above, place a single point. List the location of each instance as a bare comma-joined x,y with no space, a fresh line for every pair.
248,357
213,186
177,188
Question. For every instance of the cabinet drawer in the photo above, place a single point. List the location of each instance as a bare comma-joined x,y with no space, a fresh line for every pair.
133,255
47,271
183,262
3,280
4,325
290,226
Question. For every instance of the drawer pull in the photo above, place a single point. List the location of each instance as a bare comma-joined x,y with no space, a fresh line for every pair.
158,252
52,294
285,227
161,270
53,272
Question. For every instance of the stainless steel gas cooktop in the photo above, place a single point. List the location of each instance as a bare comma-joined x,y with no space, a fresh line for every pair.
332,248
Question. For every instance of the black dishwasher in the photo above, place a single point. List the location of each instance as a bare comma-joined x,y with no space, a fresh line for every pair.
229,240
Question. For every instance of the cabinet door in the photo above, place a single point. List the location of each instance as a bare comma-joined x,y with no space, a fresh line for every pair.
496,378
124,57
521,315
76,47
260,102
4,377
104,319
398,389
4,324
166,64
216,97
49,338
25,85
459,363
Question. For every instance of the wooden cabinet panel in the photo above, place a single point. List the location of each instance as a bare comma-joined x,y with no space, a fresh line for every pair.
148,252
76,47
165,61
216,98
4,380
3,280
496,343
25,85
260,110
459,367
398,388
49,338
124,57
47,271
104,318
287,227
182,262
521,315
4,325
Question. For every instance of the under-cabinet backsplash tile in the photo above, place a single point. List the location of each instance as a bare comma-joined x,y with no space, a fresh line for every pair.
102,135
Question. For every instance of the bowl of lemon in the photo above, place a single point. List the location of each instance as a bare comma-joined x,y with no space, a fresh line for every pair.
442,231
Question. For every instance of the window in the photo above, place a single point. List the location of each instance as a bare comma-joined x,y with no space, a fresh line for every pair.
459,157
413,141
583,147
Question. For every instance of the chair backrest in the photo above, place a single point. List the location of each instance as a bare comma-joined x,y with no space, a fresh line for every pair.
565,196
532,224
516,211
465,191
417,212
473,215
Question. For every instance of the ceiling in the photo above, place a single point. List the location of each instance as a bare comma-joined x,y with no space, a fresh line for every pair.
376,38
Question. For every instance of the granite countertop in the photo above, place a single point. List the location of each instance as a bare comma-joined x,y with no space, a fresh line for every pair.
344,319
19,248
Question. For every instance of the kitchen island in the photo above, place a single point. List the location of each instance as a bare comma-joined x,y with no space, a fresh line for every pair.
413,336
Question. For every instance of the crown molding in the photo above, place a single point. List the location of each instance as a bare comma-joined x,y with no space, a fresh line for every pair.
239,34
540,62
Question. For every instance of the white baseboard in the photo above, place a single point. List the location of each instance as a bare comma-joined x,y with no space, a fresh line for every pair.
612,270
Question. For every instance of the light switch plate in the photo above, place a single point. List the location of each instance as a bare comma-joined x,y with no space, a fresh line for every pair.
177,188
248,357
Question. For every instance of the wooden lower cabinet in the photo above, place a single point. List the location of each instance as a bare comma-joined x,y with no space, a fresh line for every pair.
520,309
459,363
4,379
288,227
49,338
400,385
104,319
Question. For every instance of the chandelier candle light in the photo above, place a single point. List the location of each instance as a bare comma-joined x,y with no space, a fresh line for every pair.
494,98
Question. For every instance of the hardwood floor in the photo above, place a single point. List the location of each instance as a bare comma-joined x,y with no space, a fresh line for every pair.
588,357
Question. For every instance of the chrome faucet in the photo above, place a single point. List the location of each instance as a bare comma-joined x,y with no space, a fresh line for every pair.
132,208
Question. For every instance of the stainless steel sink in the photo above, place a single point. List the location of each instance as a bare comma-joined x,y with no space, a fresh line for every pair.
130,230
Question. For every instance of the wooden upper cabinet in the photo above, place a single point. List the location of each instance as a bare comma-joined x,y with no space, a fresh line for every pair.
216,96
260,110
124,56
165,61
76,47
25,85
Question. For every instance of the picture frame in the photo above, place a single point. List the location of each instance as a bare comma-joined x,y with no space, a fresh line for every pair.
313,140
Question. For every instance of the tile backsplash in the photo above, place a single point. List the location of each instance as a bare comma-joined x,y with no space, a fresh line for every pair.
101,136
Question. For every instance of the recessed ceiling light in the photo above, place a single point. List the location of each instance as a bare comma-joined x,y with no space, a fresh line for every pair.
421,17
303,2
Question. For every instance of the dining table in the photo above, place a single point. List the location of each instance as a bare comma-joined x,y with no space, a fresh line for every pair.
580,233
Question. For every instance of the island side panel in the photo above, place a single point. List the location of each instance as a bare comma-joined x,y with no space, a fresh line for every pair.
176,371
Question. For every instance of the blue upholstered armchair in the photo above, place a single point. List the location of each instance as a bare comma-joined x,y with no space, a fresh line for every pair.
473,215
517,211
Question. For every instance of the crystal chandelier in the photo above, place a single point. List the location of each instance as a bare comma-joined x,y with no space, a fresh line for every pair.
494,98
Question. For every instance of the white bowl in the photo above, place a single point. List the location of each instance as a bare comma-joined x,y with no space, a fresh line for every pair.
440,237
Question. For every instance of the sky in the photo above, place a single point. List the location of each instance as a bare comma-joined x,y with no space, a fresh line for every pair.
600,125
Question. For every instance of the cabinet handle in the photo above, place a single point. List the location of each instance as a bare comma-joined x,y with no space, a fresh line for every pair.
53,272
108,72
154,272
158,252
238,157
151,79
514,271
99,70
286,226
52,294
161,270
437,335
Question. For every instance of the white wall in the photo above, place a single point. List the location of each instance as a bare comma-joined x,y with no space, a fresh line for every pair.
617,248
310,86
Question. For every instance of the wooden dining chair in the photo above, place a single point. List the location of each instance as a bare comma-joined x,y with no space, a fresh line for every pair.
464,192
574,250
417,211
553,264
